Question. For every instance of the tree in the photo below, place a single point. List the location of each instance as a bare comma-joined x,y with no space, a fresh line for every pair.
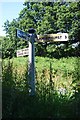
46,18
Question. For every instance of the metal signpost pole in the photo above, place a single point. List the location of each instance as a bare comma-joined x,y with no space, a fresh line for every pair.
31,71
44,38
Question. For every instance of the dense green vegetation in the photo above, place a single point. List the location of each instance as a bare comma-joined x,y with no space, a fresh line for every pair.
57,94
45,18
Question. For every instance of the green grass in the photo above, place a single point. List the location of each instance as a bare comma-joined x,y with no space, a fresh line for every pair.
57,99
62,69
41,63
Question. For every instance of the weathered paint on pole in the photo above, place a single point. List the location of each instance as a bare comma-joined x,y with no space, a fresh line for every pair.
31,71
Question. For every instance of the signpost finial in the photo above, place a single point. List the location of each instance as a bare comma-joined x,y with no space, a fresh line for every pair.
31,30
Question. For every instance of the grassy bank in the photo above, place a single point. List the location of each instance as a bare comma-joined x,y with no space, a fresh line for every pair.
57,88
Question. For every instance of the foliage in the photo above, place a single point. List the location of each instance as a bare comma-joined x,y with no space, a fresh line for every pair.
1,38
45,18
76,75
56,100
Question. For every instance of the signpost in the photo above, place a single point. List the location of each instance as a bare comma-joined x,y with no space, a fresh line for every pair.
31,71
31,67
31,50
23,52
21,34
52,37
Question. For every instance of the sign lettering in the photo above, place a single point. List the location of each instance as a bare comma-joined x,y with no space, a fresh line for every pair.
21,34
52,37
23,52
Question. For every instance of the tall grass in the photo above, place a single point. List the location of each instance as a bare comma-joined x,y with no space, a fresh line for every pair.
55,94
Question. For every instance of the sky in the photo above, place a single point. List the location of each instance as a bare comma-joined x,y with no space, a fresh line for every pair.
9,11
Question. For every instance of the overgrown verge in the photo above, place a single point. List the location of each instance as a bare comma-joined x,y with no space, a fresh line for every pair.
57,92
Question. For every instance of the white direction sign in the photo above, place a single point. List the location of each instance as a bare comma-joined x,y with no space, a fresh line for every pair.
23,52
21,34
52,37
